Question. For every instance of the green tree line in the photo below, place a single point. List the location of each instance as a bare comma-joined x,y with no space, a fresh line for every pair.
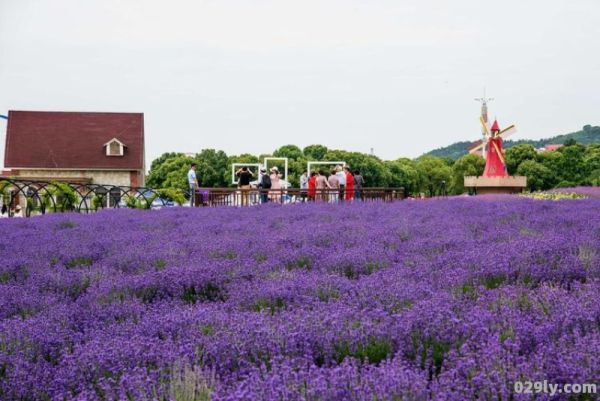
572,164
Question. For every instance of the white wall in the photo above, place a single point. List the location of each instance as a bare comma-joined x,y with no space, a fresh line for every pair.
98,177
2,138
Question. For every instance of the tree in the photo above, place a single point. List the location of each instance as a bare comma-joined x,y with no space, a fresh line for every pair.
295,169
593,178
554,161
403,173
176,176
448,160
371,168
539,177
591,160
434,174
243,158
315,152
165,164
162,158
290,151
170,170
296,162
211,165
468,165
518,154
573,168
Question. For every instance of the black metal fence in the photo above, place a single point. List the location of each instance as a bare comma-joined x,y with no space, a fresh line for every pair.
39,197
25,198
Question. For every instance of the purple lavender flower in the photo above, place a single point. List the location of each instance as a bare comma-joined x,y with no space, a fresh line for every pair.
449,299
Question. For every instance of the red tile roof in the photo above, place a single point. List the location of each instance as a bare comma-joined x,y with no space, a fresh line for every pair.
552,147
72,140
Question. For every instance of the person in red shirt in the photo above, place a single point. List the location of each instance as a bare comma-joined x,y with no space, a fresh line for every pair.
349,184
312,186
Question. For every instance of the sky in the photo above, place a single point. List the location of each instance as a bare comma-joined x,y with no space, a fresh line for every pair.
248,76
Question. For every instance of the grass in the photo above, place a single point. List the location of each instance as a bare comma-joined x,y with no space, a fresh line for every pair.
190,383
80,261
374,351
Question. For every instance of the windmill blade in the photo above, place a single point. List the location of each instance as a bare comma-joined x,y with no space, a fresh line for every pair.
485,126
475,146
499,153
508,131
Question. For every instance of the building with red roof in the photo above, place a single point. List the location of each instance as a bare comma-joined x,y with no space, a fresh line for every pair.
99,148
552,147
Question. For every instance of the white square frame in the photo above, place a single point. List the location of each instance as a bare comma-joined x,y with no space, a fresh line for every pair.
329,163
235,165
285,159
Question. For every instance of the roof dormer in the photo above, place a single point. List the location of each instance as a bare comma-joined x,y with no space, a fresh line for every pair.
114,147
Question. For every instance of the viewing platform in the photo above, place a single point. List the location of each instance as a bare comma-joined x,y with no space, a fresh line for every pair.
496,185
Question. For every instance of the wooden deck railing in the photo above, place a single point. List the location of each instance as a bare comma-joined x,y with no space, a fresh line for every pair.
253,196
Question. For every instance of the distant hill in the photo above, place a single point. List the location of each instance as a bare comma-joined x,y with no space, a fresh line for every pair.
586,136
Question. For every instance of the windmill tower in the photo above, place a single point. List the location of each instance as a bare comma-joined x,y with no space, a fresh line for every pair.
484,118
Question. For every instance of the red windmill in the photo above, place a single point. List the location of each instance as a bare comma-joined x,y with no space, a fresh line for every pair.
495,166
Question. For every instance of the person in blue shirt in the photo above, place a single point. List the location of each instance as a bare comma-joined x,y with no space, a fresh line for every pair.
193,183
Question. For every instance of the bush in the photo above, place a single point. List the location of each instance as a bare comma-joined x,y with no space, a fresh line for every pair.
172,194
59,197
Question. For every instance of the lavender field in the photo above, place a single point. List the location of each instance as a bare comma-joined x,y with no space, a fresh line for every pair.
449,299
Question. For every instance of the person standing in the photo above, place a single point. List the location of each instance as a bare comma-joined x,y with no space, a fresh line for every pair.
342,179
349,184
303,185
264,184
244,176
275,193
312,186
334,184
359,181
322,186
193,183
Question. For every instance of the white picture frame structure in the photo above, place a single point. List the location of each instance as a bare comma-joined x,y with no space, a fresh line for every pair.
266,166
328,163
236,165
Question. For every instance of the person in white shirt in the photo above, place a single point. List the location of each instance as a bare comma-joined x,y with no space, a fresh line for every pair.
341,175
304,185
193,183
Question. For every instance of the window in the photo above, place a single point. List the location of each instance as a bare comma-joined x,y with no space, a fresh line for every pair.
114,147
